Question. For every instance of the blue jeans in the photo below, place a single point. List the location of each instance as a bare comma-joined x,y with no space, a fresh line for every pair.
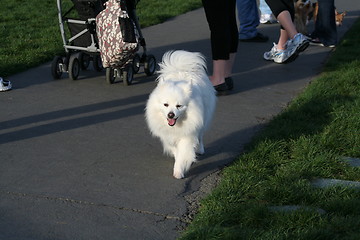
325,26
248,16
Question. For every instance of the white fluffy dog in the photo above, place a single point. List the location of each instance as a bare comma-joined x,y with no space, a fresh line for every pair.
180,108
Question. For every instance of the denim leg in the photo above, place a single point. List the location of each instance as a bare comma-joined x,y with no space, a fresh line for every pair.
325,27
248,16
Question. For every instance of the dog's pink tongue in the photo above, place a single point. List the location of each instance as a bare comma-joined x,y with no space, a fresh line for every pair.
171,122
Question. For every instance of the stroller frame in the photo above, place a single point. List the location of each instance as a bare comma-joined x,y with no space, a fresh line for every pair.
78,53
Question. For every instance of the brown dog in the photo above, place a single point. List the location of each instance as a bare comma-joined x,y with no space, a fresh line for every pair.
339,17
302,12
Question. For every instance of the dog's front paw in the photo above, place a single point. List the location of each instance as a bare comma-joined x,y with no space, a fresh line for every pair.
178,174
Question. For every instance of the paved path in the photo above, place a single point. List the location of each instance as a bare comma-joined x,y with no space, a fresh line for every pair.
77,159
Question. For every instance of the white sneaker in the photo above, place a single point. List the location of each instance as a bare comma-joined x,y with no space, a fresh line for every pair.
4,85
269,56
267,18
298,44
276,55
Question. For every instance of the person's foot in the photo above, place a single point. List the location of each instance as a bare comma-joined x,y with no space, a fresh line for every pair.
222,89
280,55
317,42
276,55
267,19
270,55
297,44
229,81
258,38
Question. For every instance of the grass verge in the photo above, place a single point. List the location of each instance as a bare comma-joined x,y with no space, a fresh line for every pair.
30,33
305,142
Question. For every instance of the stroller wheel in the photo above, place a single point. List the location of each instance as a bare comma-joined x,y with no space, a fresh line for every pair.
74,67
97,64
128,74
110,75
136,63
150,65
56,67
84,60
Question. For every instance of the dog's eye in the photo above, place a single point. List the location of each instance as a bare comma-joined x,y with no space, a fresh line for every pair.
166,105
178,106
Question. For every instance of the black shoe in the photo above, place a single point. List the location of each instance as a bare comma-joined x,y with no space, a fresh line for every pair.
317,42
229,82
258,38
222,89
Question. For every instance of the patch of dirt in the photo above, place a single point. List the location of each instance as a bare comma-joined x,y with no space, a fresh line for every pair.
206,186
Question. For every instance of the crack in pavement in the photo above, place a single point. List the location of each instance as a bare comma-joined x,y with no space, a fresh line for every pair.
84,202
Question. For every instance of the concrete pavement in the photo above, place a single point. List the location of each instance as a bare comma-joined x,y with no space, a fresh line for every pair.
77,159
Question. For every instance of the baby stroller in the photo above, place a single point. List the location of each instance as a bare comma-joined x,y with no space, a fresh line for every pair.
83,46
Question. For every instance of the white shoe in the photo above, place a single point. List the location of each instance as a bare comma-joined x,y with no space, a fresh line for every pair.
267,18
277,55
269,56
4,85
298,44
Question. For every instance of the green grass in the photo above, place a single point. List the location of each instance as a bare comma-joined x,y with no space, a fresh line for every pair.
304,142
30,33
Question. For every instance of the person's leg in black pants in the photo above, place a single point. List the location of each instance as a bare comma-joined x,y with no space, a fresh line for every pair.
221,17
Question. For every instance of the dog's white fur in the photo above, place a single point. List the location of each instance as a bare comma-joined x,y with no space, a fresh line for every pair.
180,108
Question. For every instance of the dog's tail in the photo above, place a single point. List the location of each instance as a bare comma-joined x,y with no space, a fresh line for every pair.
180,61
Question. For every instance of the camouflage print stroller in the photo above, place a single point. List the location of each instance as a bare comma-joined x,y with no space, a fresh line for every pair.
88,42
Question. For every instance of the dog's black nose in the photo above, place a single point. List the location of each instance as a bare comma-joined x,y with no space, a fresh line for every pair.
171,115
